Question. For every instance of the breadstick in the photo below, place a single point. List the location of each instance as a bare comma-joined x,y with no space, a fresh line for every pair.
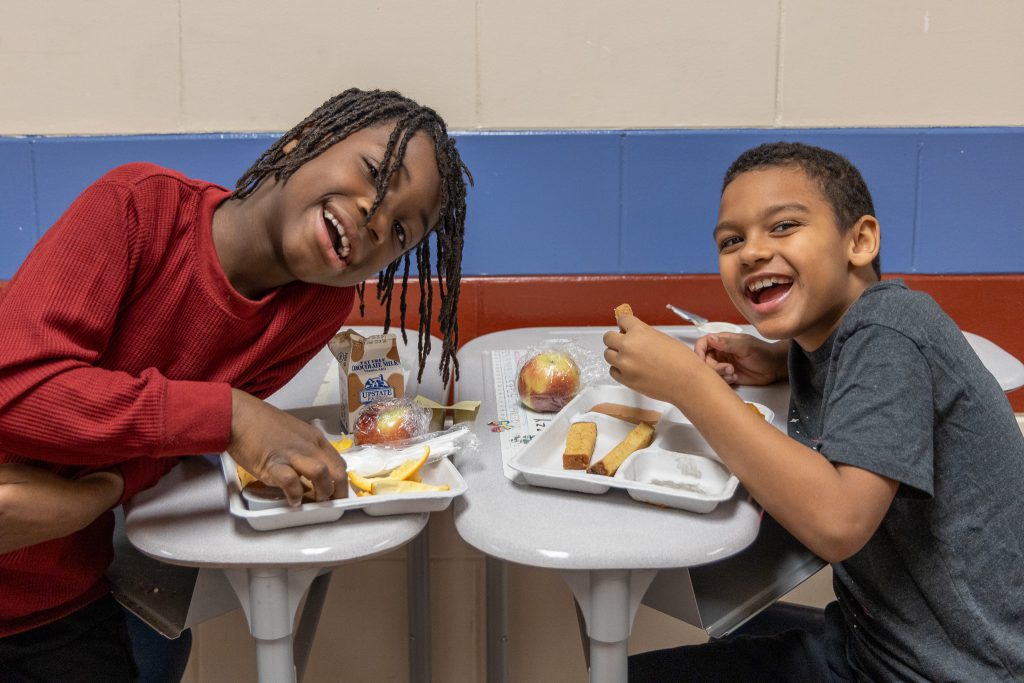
579,445
641,436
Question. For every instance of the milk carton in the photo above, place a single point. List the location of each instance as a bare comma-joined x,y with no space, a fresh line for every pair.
369,370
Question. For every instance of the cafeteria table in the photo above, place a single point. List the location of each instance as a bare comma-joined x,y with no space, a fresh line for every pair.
712,570
184,521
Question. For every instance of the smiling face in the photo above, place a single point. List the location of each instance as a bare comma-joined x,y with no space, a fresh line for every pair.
783,260
316,222
324,208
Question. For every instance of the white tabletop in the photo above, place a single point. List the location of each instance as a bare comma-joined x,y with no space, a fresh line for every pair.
1007,370
568,530
184,519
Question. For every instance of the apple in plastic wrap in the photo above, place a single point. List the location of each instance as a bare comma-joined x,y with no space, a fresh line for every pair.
390,420
548,381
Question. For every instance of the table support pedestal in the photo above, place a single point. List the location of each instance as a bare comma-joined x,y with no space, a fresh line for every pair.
270,597
608,599
418,581
497,620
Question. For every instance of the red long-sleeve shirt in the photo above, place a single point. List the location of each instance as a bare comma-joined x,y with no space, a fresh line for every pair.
120,339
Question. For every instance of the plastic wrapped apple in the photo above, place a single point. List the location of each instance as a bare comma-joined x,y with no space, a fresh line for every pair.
548,380
390,420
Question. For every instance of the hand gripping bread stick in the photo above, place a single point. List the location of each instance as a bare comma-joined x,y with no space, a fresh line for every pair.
579,445
621,310
641,436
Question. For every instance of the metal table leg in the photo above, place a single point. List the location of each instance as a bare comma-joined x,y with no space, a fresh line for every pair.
270,597
497,620
608,600
418,582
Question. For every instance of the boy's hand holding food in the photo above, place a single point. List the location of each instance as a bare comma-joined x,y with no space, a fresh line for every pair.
37,505
647,360
743,358
279,449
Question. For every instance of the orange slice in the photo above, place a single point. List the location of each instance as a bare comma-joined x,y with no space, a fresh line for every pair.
360,482
410,468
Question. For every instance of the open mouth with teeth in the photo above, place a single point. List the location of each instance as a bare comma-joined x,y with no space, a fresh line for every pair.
768,289
337,235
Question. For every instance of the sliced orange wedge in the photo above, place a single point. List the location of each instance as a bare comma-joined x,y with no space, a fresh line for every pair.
409,470
360,482
342,444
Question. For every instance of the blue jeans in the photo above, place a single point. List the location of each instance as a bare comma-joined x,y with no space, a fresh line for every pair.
159,659
783,643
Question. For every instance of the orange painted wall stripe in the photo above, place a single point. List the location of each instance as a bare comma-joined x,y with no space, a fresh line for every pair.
988,305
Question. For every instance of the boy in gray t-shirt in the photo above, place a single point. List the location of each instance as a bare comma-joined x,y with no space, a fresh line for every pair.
905,462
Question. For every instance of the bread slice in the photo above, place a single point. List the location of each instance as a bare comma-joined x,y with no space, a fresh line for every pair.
579,445
639,437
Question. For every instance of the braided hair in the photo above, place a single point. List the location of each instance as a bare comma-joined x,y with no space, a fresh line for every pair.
354,110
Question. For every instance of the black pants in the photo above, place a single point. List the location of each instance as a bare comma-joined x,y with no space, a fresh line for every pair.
89,646
768,649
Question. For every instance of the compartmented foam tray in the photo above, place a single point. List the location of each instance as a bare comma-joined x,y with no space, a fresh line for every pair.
277,514
679,469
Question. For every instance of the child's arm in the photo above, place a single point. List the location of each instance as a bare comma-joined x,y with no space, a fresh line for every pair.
37,505
832,509
743,358
59,314
278,448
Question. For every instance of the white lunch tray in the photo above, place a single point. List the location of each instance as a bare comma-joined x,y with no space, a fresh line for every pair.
281,516
678,470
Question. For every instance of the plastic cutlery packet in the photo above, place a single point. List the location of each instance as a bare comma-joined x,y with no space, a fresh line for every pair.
378,459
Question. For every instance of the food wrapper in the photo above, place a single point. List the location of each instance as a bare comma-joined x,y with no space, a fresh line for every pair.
463,411
390,420
370,370
550,374
378,459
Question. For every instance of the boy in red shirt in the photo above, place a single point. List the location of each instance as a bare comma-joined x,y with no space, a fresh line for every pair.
152,319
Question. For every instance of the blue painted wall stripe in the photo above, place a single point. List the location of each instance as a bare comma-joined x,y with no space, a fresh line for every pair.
950,200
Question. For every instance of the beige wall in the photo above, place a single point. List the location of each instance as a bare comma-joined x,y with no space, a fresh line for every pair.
166,66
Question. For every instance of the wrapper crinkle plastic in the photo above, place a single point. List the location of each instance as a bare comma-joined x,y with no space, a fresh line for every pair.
550,374
390,420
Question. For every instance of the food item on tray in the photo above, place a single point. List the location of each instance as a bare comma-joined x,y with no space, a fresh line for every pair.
639,437
245,479
621,310
579,445
755,408
390,420
386,486
627,413
370,370
548,381
403,479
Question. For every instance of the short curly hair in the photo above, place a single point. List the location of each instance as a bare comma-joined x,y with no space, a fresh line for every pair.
839,180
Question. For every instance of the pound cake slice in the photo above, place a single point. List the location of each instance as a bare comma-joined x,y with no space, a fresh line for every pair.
579,445
641,436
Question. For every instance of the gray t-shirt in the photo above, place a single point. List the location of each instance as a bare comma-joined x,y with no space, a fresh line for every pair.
937,593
